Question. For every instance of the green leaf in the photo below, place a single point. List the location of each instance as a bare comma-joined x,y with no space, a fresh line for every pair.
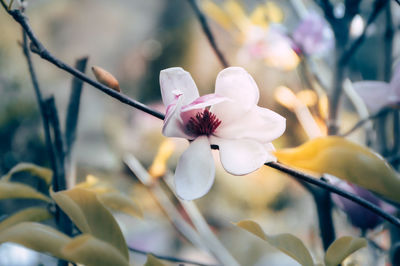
34,214
90,251
36,236
346,160
120,202
287,243
84,249
153,261
341,248
41,172
91,217
11,190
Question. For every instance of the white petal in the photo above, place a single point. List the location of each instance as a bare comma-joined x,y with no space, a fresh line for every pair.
235,83
173,124
175,81
376,94
195,172
258,124
242,156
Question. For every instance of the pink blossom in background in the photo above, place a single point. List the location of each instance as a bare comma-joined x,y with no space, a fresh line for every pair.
242,130
378,94
313,35
271,45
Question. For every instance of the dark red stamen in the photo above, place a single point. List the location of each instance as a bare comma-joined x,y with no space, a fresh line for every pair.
204,123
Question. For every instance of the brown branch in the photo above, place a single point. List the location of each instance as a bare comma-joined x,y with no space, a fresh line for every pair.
346,56
207,31
376,115
39,49
323,184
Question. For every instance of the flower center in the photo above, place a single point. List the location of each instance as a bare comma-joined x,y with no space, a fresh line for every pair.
204,123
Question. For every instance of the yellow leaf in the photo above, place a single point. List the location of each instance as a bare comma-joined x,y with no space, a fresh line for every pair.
91,217
106,78
342,248
121,202
273,12
217,14
237,14
287,243
346,160
91,251
259,17
41,172
11,190
153,261
159,165
34,214
90,182
36,236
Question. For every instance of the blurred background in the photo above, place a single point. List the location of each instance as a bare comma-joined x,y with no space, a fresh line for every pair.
134,40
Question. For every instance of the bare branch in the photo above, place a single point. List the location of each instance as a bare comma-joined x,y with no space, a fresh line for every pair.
208,33
323,184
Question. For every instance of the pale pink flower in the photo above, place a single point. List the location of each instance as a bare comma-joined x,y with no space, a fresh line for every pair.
313,35
242,130
378,94
271,45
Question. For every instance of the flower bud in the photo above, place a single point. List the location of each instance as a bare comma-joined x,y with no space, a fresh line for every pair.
106,78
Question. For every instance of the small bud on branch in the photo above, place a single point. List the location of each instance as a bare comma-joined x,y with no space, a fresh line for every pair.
106,78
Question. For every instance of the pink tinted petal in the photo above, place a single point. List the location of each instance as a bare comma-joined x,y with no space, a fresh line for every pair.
260,124
173,124
313,34
195,173
235,83
199,104
242,156
204,101
175,81
375,94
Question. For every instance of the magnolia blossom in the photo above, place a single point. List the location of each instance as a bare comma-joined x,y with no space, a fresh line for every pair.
229,118
313,35
377,94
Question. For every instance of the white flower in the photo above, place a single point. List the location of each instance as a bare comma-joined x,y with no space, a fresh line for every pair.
242,130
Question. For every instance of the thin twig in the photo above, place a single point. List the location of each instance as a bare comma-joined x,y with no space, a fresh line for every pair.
51,109
40,102
39,49
378,7
206,28
323,204
4,4
71,120
169,258
376,115
366,204
59,182
175,217
200,223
